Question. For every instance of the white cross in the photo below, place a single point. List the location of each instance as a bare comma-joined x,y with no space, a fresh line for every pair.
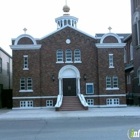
109,28
25,30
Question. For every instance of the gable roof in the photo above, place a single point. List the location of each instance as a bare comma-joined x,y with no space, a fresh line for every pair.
66,27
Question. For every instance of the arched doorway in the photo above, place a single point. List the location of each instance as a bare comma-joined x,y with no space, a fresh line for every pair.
69,81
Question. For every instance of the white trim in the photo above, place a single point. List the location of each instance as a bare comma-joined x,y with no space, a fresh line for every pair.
107,95
109,106
110,34
111,67
60,75
25,90
112,88
59,62
69,62
35,97
43,107
110,45
77,61
25,47
22,36
25,68
66,27
92,87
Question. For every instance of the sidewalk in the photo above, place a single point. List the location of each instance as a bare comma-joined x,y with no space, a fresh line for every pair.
6,114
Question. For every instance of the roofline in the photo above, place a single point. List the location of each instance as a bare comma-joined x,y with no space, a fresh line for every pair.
65,27
128,37
5,52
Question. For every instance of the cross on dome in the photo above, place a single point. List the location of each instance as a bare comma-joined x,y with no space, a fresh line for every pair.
109,28
25,30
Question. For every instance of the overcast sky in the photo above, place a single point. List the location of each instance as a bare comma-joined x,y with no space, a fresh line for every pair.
38,16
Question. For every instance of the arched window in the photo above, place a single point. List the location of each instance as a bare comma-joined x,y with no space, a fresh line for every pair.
108,81
115,82
59,56
77,55
131,51
68,55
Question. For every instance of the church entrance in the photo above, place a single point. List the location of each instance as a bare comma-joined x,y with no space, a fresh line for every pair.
69,86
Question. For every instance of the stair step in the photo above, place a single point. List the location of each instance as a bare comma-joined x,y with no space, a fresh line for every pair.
71,103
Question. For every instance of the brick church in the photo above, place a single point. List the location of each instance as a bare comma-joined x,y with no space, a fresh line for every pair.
68,69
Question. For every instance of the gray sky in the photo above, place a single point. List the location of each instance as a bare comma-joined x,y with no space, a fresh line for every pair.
38,16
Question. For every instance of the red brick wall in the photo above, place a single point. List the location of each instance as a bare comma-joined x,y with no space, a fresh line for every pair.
104,70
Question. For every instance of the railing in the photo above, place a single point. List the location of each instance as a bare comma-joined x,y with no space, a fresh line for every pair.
82,99
59,101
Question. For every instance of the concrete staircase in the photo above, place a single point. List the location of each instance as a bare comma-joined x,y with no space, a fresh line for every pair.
71,103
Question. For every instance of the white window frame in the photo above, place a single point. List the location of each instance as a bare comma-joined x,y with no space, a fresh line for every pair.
90,102
59,55
26,104
87,85
108,82
49,103
115,82
68,56
77,56
112,82
111,61
22,84
25,65
112,101
131,51
27,84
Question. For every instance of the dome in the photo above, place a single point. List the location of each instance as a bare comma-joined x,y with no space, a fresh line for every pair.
66,8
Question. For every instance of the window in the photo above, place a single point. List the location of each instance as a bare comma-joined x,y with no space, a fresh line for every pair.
8,66
26,103
124,55
111,61
49,103
59,56
112,101
22,84
108,82
68,56
128,79
90,102
89,88
29,84
115,82
25,67
77,55
131,51
26,85
0,65
112,83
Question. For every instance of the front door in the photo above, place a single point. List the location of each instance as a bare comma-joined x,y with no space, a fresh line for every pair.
69,86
